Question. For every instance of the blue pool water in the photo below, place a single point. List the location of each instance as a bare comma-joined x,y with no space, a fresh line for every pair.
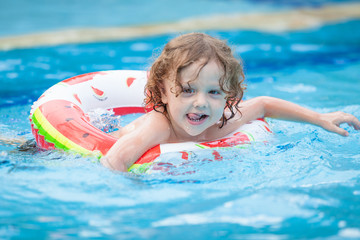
303,184
39,15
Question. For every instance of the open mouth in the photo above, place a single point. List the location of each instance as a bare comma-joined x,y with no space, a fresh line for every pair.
195,118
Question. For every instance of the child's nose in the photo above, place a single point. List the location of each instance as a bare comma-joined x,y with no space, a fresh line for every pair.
200,100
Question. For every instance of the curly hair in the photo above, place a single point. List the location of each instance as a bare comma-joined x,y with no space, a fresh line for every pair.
184,50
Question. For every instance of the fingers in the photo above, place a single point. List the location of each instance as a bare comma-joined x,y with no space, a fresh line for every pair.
338,118
355,126
356,123
352,121
338,130
342,132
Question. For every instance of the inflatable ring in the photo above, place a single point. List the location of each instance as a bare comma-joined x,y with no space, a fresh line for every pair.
59,117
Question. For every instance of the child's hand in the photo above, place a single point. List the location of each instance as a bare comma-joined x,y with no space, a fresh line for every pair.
332,121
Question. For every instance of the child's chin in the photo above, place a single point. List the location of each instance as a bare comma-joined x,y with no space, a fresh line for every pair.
194,132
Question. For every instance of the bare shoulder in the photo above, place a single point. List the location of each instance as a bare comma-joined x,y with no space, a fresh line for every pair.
248,110
157,120
151,125
154,125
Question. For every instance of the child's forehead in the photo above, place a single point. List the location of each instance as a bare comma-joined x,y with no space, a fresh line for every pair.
201,67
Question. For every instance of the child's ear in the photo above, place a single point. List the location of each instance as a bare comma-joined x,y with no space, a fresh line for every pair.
164,98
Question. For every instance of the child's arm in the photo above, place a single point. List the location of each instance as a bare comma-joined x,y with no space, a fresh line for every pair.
135,139
12,141
281,109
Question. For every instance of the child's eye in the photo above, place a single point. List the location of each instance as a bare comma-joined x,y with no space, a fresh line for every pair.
188,90
215,92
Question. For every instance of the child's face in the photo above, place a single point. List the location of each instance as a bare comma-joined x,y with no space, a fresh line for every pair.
200,105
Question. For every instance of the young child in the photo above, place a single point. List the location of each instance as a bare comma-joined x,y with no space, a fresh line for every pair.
195,88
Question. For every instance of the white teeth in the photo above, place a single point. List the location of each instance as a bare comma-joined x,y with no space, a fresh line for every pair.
196,117
195,120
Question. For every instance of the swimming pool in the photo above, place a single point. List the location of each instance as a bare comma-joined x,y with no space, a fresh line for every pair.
303,184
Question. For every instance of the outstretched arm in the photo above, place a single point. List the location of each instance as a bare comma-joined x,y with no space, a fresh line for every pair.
281,109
